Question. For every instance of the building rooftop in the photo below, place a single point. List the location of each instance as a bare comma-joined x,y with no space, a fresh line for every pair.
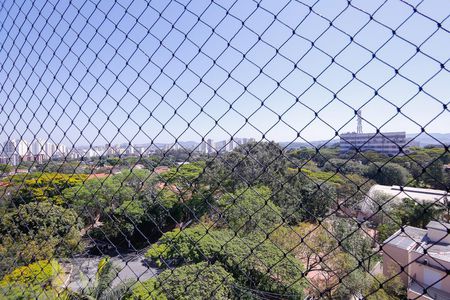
411,236
438,226
439,251
428,293
396,194
416,239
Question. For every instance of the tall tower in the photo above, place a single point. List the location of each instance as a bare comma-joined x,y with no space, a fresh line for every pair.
359,120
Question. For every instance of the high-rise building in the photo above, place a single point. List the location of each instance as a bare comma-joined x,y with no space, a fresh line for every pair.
231,144
74,154
203,149
38,147
143,150
22,147
9,147
110,150
221,146
14,151
90,153
50,149
130,150
210,146
9,153
61,150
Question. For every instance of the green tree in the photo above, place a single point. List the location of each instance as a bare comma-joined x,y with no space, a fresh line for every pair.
4,169
344,166
97,197
43,186
434,175
254,261
37,231
195,281
136,179
39,280
186,176
191,245
392,289
306,154
389,174
301,199
317,200
249,210
251,164
368,157
353,240
408,212
353,260
353,191
414,213
324,154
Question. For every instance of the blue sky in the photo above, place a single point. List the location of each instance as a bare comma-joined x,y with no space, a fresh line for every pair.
94,71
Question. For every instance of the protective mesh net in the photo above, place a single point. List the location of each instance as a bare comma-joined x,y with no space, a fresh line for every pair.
224,149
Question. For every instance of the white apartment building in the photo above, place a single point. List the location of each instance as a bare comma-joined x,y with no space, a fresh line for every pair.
130,150
74,154
231,145
14,146
38,147
210,146
61,150
50,149
221,146
386,143
203,148
13,151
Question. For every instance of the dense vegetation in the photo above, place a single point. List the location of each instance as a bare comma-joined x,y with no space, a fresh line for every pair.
259,221
39,280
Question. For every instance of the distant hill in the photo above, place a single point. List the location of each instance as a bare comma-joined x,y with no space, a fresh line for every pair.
425,139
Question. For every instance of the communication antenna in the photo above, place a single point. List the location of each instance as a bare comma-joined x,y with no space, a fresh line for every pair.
359,126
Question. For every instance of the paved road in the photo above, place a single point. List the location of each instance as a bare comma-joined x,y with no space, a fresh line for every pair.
131,267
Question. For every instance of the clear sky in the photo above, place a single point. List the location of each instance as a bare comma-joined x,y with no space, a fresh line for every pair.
94,71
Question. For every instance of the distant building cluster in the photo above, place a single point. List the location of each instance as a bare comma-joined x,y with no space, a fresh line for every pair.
15,151
211,147
107,150
387,143
206,147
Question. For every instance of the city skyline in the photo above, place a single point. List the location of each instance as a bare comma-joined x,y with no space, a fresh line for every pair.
199,141
14,151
